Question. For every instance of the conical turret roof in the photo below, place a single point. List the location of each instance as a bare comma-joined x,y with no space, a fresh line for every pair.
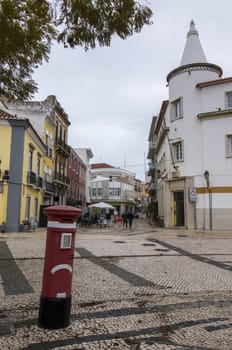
194,58
193,51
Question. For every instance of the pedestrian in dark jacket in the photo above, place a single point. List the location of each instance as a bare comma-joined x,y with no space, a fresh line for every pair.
124,216
130,217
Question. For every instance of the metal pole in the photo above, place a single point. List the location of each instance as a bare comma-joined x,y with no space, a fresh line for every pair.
210,211
195,215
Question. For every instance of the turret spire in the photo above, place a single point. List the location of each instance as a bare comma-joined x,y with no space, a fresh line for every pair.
193,51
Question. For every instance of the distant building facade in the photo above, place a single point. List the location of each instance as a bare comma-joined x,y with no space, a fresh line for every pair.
113,185
85,155
77,174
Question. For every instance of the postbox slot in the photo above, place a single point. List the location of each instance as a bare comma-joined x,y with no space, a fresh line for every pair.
66,240
66,219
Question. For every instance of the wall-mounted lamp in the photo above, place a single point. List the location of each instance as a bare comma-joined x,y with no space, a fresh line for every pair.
206,176
6,175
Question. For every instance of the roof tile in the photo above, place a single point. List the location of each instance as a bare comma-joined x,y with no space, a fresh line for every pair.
6,115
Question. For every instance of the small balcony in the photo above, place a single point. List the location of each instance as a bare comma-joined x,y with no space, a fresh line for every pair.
31,178
49,187
151,149
60,178
62,147
152,189
39,181
151,170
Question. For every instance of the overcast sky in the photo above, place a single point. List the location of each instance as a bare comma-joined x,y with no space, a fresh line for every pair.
110,94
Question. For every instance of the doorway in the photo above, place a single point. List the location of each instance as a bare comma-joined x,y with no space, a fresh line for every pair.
179,208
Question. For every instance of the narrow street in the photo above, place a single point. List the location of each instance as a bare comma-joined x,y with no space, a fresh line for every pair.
141,289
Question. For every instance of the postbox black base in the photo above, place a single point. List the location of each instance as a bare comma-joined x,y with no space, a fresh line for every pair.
54,313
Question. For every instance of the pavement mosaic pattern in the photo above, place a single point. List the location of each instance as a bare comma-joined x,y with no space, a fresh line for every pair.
142,289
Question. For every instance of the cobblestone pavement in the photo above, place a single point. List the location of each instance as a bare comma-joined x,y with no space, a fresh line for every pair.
141,289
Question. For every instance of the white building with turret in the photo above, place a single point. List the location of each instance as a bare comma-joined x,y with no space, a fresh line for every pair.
190,144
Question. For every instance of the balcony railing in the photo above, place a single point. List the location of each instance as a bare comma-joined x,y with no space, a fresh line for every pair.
151,170
61,178
31,177
152,189
62,146
49,152
152,148
39,181
49,187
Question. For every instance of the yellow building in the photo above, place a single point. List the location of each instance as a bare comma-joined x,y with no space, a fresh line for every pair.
144,195
22,154
51,123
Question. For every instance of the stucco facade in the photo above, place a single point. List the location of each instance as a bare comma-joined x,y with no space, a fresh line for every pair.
113,185
192,159
51,123
21,183
76,195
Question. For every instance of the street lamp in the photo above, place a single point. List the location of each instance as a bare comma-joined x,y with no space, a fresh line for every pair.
206,176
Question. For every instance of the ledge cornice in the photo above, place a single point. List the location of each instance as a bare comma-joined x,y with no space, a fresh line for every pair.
215,114
188,68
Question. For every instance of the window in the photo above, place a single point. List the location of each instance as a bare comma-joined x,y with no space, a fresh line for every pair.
30,159
117,192
61,132
228,145
61,168
49,144
35,208
229,100
57,130
47,139
38,165
176,109
114,192
27,208
178,151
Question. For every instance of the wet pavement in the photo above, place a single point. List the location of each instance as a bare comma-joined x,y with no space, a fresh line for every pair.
140,289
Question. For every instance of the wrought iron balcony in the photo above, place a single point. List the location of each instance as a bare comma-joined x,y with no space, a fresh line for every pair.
151,149
31,177
58,177
49,187
61,146
39,181
152,189
151,170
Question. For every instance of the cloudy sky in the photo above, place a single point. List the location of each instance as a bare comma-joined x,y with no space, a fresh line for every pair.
110,94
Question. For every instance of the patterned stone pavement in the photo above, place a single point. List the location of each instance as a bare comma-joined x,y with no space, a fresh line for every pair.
144,289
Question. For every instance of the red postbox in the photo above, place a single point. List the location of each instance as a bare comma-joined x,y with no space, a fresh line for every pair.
55,299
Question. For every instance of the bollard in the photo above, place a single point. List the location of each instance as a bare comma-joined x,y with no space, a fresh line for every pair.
55,299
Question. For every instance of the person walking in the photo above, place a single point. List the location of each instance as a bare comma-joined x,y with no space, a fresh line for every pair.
130,217
124,216
108,219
